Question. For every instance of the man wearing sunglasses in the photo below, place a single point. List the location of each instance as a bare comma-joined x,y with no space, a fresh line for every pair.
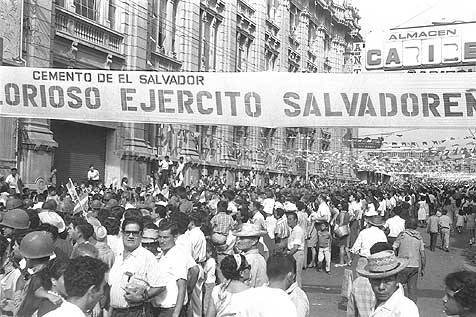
134,277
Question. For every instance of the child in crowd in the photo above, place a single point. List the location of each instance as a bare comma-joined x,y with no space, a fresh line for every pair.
460,219
210,277
432,229
324,245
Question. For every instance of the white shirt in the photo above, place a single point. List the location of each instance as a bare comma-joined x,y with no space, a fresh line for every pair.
66,309
322,212
268,206
164,165
93,175
172,267
396,306
297,237
271,226
180,167
198,244
141,264
265,302
12,181
366,239
396,225
355,209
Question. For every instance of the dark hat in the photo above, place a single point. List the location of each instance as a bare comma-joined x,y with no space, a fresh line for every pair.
50,204
13,203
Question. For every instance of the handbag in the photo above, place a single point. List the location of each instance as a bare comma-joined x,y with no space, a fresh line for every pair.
342,230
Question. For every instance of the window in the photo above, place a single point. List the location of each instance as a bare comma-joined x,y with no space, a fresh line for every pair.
111,15
271,6
208,41
162,22
293,19
87,8
60,3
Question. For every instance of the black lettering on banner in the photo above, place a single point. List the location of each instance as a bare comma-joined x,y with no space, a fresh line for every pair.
89,99
87,78
59,103
218,101
470,103
43,98
151,107
448,104
36,75
232,95
366,106
29,94
350,106
311,106
181,103
12,99
428,106
327,104
125,98
404,101
76,102
257,102
297,109
200,108
163,100
383,104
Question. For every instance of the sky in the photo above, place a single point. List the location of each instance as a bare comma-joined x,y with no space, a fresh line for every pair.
382,15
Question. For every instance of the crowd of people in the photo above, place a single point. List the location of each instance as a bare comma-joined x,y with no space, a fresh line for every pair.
225,251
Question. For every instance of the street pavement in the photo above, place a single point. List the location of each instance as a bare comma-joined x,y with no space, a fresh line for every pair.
324,291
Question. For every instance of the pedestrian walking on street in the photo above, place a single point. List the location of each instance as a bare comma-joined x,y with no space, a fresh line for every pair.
432,229
444,224
409,244
324,245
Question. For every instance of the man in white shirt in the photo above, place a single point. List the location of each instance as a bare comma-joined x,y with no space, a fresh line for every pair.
172,271
323,213
296,245
369,236
265,302
164,170
179,172
84,281
93,176
134,278
395,225
281,271
382,271
14,181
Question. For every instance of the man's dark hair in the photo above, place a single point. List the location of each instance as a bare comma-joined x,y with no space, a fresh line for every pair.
165,225
222,206
278,265
87,230
13,169
82,273
133,220
181,220
411,223
50,229
380,246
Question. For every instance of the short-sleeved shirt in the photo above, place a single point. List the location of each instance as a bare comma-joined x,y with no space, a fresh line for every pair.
140,264
222,223
297,237
395,225
258,268
409,244
172,267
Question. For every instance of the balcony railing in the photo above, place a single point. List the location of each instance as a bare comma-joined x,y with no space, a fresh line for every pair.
76,27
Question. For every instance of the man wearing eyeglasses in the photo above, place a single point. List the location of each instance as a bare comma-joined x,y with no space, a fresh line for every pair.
134,277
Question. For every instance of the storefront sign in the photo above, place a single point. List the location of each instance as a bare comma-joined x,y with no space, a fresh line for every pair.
422,47
264,99
367,143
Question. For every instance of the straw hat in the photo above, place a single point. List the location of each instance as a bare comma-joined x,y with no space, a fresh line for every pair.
382,264
377,221
150,236
249,230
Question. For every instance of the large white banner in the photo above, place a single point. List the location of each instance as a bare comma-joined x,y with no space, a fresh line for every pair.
265,99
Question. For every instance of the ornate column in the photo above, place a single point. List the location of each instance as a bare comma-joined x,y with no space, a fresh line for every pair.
36,143
187,45
136,154
302,36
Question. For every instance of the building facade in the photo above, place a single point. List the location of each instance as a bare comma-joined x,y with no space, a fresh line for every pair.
176,36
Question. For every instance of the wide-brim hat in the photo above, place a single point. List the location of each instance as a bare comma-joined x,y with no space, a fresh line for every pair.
52,218
249,230
150,236
377,221
382,264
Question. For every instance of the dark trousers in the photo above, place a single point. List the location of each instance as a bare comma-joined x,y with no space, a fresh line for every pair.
409,278
391,240
163,178
433,240
164,312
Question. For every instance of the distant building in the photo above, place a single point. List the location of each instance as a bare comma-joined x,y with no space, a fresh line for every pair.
173,35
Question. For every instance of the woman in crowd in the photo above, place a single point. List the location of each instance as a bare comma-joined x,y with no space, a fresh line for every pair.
236,271
459,296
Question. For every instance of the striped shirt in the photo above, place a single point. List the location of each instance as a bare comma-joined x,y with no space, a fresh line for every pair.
222,223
